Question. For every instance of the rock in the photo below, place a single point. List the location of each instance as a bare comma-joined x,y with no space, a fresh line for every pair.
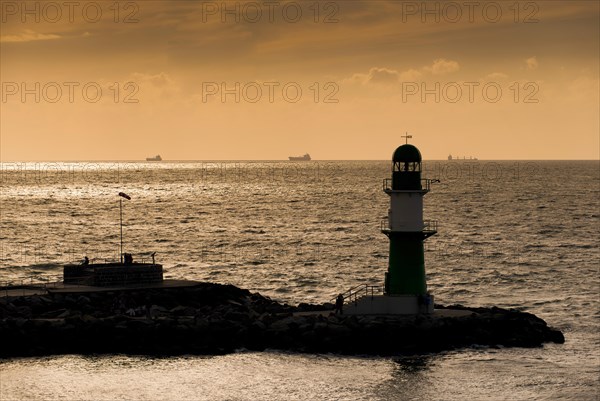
258,325
156,310
304,307
64,314
82,300
236,316
555,336
24,311
212,319
283,324
88,319
183,311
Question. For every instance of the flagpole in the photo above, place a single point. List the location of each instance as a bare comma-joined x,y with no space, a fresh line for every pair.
121,225
122,195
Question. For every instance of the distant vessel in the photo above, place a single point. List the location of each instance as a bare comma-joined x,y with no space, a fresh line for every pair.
304,158
156,158
450,157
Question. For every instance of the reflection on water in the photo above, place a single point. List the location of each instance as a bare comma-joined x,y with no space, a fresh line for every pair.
469,374
413,364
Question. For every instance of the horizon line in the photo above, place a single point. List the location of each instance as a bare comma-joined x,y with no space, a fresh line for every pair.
260,160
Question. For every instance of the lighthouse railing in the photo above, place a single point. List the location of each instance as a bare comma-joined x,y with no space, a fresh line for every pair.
363,290
425,184
428,225
385,224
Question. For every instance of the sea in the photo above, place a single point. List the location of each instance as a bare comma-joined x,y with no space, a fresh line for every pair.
514,234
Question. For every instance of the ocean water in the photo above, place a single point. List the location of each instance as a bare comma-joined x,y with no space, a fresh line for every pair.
518,234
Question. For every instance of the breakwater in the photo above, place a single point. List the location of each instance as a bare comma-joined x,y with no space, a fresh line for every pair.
206,318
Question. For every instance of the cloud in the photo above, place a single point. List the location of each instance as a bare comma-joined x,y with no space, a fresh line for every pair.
497,75
532,63
159,80
410,75
441,66
28,36
383,76
389,77
376,75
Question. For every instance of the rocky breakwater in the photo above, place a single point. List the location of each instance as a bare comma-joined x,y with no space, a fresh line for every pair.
214,319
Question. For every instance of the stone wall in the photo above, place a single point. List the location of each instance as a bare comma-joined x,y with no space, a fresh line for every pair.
213,319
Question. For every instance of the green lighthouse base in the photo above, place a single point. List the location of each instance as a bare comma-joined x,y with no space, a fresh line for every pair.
391,305
406,271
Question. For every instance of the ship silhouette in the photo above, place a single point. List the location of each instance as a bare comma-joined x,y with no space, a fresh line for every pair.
450,157
306,158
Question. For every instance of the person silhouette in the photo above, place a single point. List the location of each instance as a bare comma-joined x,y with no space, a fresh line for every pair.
339,304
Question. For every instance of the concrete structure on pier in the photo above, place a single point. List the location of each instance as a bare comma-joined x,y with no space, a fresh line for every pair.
113,274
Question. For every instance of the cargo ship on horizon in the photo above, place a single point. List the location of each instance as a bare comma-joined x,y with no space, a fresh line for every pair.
450,157
304,158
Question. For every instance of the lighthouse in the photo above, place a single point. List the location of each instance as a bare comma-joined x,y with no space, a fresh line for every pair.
405,226
405,286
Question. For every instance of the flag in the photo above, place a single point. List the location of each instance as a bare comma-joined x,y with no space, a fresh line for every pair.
124,195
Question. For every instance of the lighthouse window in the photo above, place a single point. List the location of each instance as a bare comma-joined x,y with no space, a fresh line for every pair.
411,166
406,166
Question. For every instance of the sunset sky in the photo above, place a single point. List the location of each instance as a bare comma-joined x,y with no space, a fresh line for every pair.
368,70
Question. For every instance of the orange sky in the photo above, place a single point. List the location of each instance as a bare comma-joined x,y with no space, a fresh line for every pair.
381,68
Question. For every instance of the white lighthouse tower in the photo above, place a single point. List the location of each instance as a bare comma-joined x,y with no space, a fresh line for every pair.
405,289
